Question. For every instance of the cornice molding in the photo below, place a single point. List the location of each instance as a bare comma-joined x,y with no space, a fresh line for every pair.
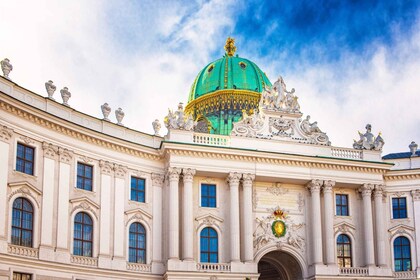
299,162
410,174
74,133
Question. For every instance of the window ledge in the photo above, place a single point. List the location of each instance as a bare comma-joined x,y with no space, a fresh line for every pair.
140,267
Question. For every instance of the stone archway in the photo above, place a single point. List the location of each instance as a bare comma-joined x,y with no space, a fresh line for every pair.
278,265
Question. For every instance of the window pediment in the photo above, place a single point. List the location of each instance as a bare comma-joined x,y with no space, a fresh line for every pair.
344,227
26,190
85,204
138,215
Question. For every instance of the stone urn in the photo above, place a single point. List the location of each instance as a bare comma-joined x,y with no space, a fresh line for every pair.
50,87
106,110
65,94
156,126
119,114
6,67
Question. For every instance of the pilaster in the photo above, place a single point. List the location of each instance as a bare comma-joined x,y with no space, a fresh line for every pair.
5,136
187,226
173,176
233,180
157,184
329,223
247,180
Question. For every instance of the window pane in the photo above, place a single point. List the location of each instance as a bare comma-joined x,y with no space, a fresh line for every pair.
212,202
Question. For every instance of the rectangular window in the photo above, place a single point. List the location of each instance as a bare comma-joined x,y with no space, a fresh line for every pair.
25,159
21,276
84,176
138,192
399,208
342,204
208,195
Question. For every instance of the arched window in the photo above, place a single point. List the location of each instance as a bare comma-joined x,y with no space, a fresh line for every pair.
402,254
22,222
83,235
137,243
344,251
209,246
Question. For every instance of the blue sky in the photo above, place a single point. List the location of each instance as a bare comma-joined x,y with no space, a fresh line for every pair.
351,62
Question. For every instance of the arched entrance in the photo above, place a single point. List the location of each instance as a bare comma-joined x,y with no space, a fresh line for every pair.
279,265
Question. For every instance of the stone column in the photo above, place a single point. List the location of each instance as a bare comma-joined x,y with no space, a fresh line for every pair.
65,158
379,218
233,180
157,183
187,225
314,187
366,191
48,182
329,222
5,136
416,212
105,215
173,175
247,217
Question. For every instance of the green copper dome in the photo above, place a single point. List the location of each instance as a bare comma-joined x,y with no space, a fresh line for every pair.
223,90
229,72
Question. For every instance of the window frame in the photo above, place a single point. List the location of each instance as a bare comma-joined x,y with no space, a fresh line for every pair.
201,195
31,275
20,228
16,158
399,208
144,249
137,190
82,240
84,178
343,257
402,258
209,252
342,206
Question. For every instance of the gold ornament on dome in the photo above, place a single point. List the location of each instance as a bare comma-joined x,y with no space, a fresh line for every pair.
230,47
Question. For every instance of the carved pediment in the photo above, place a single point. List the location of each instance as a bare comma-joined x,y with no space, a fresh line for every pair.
209,220
85,204
344,227
137,214
25,189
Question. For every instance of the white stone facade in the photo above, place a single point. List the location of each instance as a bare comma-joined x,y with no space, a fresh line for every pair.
253,178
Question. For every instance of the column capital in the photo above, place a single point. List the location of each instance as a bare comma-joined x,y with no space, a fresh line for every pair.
50,150
5,133
106,167
233,178
379,189
188,174
157,179
416,195
314,186
173,173
328,186
366,189
120,171
247,179
65,155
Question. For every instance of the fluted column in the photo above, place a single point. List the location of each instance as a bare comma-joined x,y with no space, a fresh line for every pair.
315,187
329,222
233,180
187,225
380,242
173,175
157,183
366,191
247,217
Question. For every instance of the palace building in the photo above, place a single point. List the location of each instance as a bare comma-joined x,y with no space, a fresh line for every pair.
241,185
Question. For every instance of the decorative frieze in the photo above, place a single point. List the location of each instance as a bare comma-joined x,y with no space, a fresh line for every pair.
85,204
27,140
26,190
209,220
5,133
277,189
139,267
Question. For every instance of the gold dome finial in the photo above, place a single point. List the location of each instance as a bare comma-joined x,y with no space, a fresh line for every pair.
230,47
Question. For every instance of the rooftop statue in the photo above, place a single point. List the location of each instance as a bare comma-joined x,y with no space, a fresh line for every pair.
119,114
278,98
368,141
179,120
156,126
106,110
65,95
50,87
230,47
